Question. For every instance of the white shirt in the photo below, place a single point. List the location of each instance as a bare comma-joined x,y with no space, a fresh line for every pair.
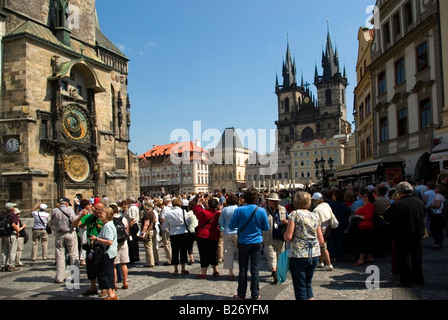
132,213
43,215
163,214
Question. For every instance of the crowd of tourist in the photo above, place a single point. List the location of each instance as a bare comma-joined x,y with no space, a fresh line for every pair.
317,227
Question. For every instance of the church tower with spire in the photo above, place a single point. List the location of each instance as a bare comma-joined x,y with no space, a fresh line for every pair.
302,117
331,92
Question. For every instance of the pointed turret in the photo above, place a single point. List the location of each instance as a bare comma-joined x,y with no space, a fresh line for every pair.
330,60
289,72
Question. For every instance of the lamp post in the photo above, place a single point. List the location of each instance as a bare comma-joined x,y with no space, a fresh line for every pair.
320,171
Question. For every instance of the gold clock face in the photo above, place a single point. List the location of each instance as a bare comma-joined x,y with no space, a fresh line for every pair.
307,99
75,124
78,167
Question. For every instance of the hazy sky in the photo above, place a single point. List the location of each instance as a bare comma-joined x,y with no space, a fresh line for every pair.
200,66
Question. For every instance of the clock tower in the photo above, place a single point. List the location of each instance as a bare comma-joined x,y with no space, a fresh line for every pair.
64,107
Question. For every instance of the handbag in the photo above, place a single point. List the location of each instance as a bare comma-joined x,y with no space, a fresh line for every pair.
96,254
47,226
283,266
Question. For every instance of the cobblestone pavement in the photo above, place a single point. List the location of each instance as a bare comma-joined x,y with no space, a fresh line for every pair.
35,281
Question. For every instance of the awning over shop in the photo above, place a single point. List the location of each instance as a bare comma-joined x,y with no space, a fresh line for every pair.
439,153
368,167
356,171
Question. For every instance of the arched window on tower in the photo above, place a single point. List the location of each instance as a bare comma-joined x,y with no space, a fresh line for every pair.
286,104
328,98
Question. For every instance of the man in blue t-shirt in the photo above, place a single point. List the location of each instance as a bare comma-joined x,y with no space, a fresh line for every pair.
250,220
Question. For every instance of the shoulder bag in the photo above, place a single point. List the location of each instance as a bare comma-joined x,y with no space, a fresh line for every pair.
247,222
47,227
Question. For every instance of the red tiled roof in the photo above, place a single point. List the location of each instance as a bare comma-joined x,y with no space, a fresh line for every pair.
168,149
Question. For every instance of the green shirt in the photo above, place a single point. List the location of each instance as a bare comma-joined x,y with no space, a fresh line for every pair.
93,225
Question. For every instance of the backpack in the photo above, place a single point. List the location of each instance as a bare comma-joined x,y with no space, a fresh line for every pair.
121,230
5,226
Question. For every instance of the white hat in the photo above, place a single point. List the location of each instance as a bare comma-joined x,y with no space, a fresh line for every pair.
273,197
316,196
43,206
10,205
167,198
17,210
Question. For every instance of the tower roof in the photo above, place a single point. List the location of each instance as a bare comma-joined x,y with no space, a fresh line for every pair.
330,59
289,69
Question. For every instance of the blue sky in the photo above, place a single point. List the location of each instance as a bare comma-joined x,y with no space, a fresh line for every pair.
215,61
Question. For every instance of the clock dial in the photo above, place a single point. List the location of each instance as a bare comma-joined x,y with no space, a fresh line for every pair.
78,167
74,124
12,145
307,99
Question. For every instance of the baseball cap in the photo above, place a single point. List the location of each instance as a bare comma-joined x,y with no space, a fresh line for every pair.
17,210
64,200
10,205
43,206
316,196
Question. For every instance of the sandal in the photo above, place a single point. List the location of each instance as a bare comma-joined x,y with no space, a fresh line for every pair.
359,263
185,272
216,274
175,273
231,278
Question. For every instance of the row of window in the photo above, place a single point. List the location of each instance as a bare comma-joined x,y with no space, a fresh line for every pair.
400,23
315,152
402,120
278,176
422,62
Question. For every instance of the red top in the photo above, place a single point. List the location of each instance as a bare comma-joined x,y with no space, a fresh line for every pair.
208,227
367,211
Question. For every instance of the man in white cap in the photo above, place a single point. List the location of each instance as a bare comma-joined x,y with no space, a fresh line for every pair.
325,213
132,214
66,241
273,239
8,235
165,231
41,217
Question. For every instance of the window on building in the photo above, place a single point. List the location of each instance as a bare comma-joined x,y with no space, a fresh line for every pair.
397,25
368,105
361,113
402,125
425,113
369,146
386,33
408,15
286,105
399,72
422,57
328,98
384,129
363,150
15,190
382,87
44,133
